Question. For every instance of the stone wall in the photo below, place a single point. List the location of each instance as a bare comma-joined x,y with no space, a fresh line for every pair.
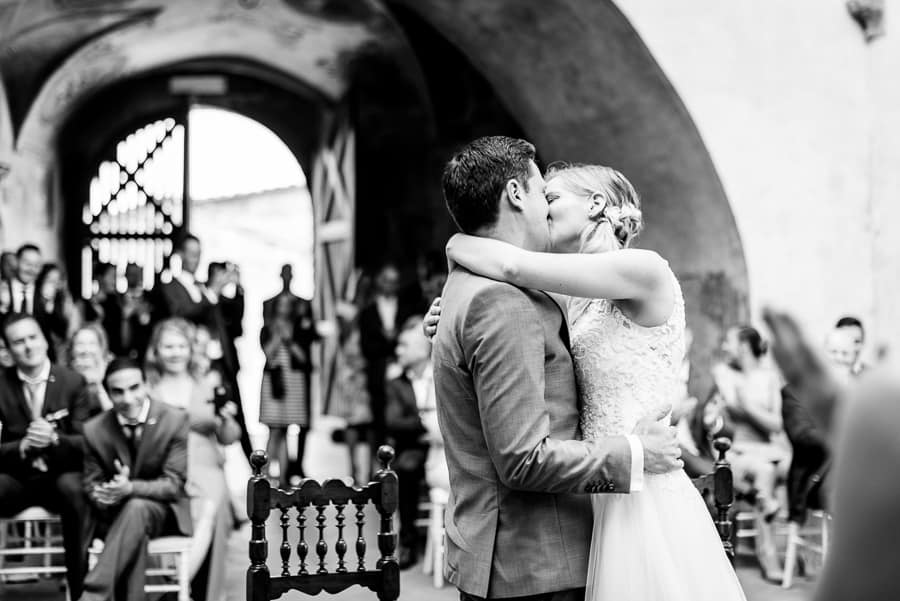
802,119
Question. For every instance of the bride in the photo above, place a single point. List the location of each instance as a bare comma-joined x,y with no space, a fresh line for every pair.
627,327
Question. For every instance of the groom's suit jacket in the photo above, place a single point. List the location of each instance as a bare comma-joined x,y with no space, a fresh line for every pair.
518,521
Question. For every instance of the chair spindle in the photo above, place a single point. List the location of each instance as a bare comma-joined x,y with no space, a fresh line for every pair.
302,547
321,545
285,545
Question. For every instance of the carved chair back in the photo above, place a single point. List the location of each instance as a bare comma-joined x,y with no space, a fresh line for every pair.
720,484
310,574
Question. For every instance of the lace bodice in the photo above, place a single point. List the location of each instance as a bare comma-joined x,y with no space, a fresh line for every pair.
625,371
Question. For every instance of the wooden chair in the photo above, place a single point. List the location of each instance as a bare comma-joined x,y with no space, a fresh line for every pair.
262,498
720,484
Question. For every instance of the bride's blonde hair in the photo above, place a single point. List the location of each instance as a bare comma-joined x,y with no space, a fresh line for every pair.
620,221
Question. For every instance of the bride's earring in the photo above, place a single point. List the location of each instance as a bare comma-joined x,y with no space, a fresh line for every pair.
595,209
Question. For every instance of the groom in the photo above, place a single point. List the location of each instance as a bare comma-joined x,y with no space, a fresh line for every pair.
519,520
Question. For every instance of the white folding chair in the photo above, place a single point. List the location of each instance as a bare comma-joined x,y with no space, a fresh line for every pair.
174,552
38,539
434,541
805,538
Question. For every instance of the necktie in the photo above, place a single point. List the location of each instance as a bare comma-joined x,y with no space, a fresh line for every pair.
26,300
132,435
33,397
35,405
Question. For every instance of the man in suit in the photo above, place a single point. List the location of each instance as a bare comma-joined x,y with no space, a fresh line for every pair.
184,295
43,408
134,473
379,323
518,522
408,398
24,297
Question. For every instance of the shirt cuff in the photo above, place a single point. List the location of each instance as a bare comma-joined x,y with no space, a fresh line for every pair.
637,463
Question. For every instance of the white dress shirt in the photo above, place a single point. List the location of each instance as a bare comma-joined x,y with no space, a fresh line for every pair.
22,292
387,311
190,284
141,418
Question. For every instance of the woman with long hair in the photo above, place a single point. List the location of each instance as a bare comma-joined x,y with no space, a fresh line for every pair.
174,377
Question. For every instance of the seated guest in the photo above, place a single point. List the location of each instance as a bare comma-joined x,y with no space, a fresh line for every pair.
134,474
172,372
840,350
43,408
409,402
89,355
750,394
852,327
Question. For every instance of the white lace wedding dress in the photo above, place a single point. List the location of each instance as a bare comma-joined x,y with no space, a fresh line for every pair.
658,544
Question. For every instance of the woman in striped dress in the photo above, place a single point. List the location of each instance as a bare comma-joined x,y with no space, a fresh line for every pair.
284,399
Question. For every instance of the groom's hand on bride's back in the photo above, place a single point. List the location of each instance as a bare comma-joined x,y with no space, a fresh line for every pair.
430,323
662,452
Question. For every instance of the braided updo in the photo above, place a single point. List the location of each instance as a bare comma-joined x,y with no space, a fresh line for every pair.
621,219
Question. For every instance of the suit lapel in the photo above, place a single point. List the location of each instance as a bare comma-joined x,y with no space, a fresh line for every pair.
52,394
119,444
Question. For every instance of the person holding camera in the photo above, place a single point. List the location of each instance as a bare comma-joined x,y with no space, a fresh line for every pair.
174,374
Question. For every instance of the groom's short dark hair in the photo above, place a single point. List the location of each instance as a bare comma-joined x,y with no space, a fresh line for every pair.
474,179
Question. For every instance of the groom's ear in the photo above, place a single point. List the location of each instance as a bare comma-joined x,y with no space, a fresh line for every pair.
515,194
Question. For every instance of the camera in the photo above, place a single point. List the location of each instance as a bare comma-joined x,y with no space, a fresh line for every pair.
221,396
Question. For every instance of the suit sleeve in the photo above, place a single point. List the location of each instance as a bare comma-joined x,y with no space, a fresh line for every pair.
396,419
79,413
504,345
170,485
93,472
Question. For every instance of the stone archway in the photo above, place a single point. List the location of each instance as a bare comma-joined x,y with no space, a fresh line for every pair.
571,75
581,84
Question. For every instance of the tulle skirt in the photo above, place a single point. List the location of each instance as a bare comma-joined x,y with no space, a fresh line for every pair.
658,544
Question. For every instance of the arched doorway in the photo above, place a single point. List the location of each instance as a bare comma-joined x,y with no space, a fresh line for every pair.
385,61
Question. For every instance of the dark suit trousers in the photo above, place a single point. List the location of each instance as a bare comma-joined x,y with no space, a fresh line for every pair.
120,571
58,493
576,594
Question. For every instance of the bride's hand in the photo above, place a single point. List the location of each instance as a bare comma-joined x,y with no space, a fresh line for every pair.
430,323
